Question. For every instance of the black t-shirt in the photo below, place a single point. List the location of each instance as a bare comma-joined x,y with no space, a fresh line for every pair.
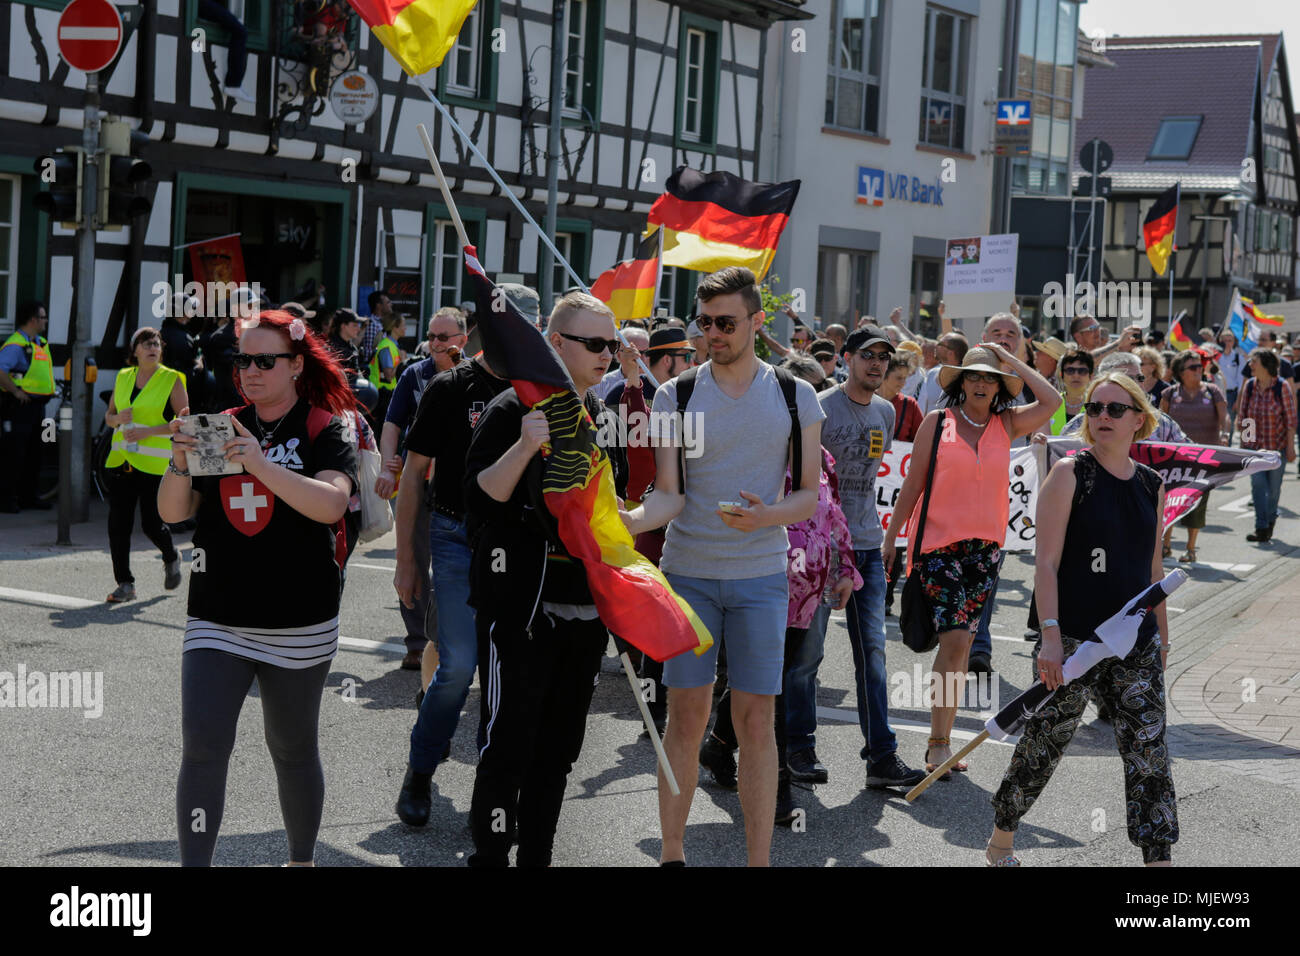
265,564
521,527
449,409
347,355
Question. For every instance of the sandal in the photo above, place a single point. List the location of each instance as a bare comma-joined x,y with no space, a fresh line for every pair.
932,767
1189,557
1167,550
1007,859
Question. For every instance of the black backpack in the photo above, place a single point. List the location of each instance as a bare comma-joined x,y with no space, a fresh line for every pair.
686,385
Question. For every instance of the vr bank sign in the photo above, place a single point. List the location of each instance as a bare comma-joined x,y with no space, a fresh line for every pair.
874,183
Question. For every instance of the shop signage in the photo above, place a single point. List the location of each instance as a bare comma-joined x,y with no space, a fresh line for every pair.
1011,132
354,97
874,185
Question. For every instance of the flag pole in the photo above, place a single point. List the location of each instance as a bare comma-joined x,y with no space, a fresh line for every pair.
664,765
947,765
659,273
460,225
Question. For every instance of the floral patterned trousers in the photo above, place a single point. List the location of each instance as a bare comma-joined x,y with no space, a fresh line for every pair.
1134,690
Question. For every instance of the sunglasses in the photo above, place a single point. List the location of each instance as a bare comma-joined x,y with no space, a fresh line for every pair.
265,360
444,336
1091,328
726,324
868,356
1075,370
987,377
1113,409
595,345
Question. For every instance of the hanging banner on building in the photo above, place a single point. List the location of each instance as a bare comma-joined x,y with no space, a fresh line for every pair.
979,275
1188,471
1022,492
218,260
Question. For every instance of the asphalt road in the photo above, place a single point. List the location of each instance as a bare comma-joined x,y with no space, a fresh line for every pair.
100,792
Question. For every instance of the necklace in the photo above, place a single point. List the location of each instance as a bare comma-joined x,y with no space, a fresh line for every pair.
265,436
968,418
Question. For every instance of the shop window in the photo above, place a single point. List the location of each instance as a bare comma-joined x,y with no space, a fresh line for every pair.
10,189
853,79
943,79
843,285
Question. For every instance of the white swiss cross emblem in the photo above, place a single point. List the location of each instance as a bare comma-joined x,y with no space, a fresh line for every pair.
247,503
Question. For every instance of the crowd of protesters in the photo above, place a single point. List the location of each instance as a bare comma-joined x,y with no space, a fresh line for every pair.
768,530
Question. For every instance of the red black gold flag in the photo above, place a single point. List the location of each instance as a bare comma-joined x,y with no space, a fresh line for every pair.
629,287
1158,228
713,220
632,595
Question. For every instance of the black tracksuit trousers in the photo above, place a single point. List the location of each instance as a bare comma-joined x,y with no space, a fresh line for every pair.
537,686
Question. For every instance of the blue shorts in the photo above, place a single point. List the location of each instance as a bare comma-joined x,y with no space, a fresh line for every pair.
749,615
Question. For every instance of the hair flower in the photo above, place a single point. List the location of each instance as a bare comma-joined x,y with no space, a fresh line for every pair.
297,330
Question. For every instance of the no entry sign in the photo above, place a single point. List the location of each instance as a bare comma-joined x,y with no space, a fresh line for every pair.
90,33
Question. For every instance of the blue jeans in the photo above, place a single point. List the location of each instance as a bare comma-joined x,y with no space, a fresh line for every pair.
1266,490
866,619
801,685
983,643
457,645
237,61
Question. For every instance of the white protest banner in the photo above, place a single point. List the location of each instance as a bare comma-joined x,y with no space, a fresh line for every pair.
979,276
1022,492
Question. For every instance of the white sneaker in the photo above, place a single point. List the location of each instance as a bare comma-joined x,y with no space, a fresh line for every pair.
239,93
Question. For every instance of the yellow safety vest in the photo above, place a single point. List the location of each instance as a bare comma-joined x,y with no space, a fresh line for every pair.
376,379
148,454
1058,417
39,377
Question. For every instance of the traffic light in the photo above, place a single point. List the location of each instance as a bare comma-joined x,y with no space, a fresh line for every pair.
62,171
121,202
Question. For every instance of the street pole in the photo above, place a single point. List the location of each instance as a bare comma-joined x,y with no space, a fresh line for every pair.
74,466
546,279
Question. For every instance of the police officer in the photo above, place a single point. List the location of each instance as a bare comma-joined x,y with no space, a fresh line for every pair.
27,377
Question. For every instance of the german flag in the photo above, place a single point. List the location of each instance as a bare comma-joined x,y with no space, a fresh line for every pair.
1177,337
629,287
1158,228
633,597
715,220
419,33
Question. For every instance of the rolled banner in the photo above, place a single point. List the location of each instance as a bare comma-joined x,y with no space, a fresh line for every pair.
1114,637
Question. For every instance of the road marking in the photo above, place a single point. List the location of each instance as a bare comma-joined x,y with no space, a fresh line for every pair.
48,600
1236,504
372,567
890,623
360,643
846,716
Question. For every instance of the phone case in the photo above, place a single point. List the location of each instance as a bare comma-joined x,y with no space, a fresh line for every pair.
208,456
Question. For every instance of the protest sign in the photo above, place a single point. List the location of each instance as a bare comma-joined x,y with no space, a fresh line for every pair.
979,276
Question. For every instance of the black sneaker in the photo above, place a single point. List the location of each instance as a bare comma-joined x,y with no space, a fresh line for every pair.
892,772
1031,635
980,664
716,757
172,574
1260,535
785,809
806,768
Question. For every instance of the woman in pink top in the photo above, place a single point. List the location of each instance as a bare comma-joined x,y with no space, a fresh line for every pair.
967,519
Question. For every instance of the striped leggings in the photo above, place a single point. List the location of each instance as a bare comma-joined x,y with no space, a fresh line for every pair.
1134,690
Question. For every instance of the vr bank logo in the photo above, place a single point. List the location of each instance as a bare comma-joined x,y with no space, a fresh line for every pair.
871,186
1013,112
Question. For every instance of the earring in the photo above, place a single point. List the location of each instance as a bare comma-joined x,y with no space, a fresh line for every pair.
295,378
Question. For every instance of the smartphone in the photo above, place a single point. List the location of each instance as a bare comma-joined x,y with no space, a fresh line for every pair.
731,507
208,456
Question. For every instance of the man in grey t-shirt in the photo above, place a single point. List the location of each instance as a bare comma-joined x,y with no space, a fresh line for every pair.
725,550
859,429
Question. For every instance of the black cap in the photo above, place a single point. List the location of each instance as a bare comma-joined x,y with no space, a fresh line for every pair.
866,336
823,348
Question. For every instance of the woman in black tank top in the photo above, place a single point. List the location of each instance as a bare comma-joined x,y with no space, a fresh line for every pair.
1099,544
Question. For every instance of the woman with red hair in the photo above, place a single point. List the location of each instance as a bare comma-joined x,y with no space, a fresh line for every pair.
264,589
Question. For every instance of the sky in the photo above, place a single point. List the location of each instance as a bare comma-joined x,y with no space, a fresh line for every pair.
1186,17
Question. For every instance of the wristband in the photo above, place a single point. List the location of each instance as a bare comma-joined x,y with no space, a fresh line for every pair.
1050,622
171,466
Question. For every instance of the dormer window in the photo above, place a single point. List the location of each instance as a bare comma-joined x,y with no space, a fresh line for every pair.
1175,138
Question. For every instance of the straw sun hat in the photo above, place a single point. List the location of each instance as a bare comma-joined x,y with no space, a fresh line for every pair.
980,359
